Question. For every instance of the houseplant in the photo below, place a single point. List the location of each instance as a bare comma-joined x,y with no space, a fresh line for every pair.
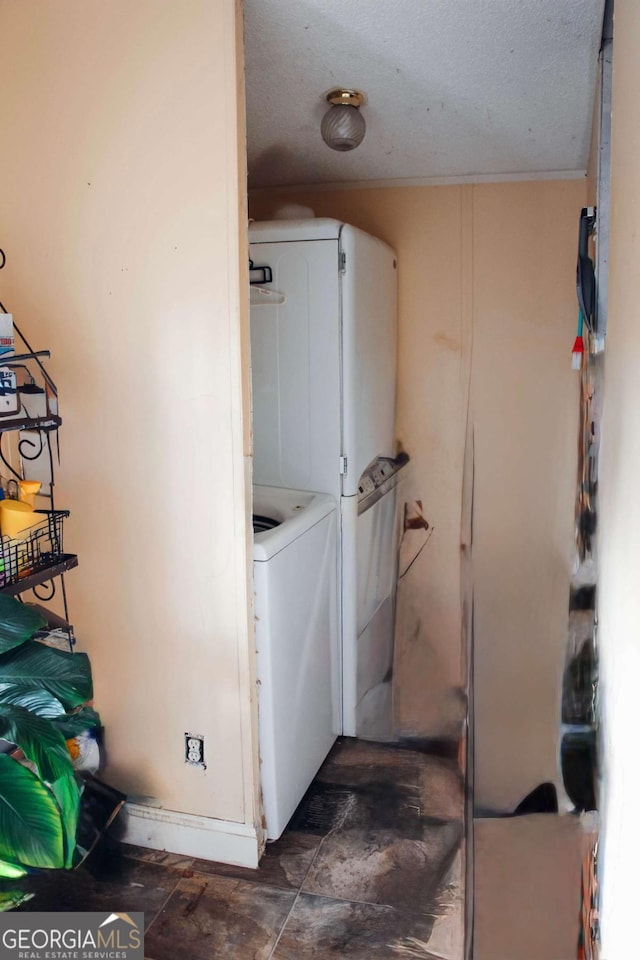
44,695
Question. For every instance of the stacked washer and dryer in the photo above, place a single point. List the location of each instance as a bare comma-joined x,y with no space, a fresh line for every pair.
323,356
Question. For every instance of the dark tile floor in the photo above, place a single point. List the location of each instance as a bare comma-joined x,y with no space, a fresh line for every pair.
371,867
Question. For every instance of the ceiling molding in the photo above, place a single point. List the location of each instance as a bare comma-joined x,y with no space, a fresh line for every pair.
420,182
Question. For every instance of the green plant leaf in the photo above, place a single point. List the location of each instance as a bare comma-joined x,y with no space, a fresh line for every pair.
67,793
71,724
30,823
35,666
44,744
18,623
11,871
10,899
37,701
38,739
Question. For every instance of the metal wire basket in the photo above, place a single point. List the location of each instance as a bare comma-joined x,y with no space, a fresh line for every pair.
37,548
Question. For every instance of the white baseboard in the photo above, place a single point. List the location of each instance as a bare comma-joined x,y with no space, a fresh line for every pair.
190,835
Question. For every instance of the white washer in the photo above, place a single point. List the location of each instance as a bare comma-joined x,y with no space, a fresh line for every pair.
297,642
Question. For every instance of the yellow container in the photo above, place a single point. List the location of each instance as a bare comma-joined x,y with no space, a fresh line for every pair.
28,491
16,517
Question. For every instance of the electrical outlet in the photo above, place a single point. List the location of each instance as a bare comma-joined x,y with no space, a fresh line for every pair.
194,750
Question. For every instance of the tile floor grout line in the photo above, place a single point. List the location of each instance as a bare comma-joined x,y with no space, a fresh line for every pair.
188,865
164,904
365,903
185,864
284,923
298,893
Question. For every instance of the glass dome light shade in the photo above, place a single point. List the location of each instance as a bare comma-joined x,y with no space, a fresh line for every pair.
343,127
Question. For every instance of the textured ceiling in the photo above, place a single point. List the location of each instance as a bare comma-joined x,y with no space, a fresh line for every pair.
455,88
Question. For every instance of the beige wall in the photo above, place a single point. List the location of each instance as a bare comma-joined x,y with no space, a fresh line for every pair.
486,278
119,206
619,520
525,414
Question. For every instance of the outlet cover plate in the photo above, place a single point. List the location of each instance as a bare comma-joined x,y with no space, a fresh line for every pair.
194,750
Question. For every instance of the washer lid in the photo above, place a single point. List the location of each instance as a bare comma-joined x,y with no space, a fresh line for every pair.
298,511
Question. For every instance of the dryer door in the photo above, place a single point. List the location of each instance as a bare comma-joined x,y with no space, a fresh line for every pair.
377,568
369,571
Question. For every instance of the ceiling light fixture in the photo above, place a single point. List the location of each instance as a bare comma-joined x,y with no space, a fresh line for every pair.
343,127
